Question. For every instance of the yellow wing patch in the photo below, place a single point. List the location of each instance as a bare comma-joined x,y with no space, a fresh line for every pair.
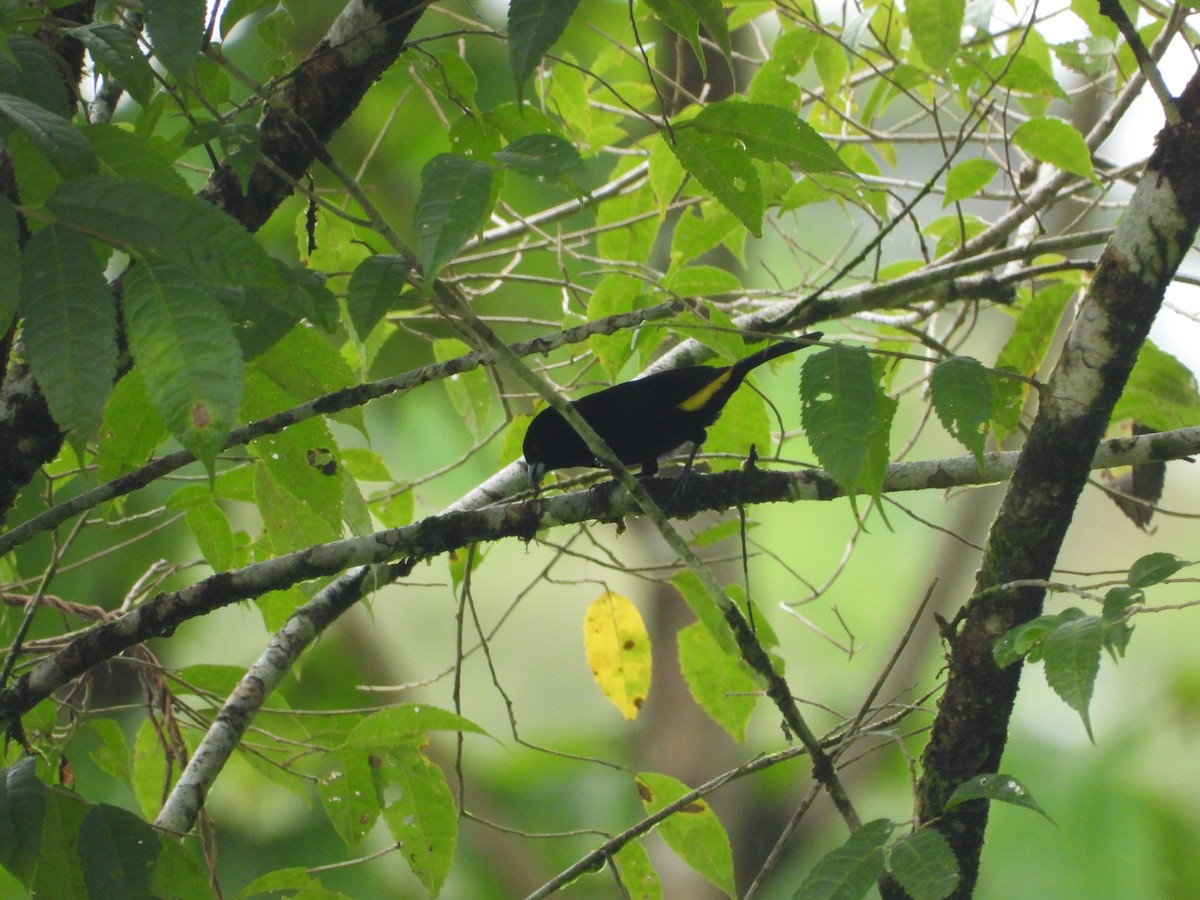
702,396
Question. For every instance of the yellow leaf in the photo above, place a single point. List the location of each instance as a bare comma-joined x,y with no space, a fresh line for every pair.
618,650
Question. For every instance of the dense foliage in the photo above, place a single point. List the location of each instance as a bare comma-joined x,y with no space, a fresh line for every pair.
285,285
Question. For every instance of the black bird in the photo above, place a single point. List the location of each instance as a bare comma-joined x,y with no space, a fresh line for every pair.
644,419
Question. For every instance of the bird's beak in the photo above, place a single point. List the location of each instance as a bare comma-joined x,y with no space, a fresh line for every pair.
537,471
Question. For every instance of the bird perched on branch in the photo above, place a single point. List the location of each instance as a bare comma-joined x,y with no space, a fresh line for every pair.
644,419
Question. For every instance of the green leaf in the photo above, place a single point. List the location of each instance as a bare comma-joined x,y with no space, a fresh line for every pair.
186,351
693,832
1055,142
615,294
70,326
10,263
176,30
59,873
849,871
423,819
705,610
1016,643
191,233
1160,393
151,774
470,392
1072,657
124,154
968,178
117,54
118,852
214,536
702,281
924,865
533,27
375,289
29,69
546,157
22,809
637,872
770,133
961,391
349,796
53,135
303,365
936,28
291,522
405,723
725,171
1025,351
130,430
453,204
113,755
685,18
844,415
997,787
718,680
1154,568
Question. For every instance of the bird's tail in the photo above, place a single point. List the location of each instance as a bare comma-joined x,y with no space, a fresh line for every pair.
743,366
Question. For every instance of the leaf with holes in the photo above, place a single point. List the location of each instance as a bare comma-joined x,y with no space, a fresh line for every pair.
961,391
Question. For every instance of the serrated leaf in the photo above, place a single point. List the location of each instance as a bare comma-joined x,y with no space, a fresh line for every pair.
849,871
189,232
1161,392
1056,142
533,28
1154,568
374,290
176,30
718,680
694,832
1072,658
968,178
725,171
618,651
997,787
30,69
685,18
423,819
349,796
770,133
186,351
542,156
924,865
936,28
453,204
118,852
54,136
843,415
124,154
70,326
118,55
961,391
22,809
